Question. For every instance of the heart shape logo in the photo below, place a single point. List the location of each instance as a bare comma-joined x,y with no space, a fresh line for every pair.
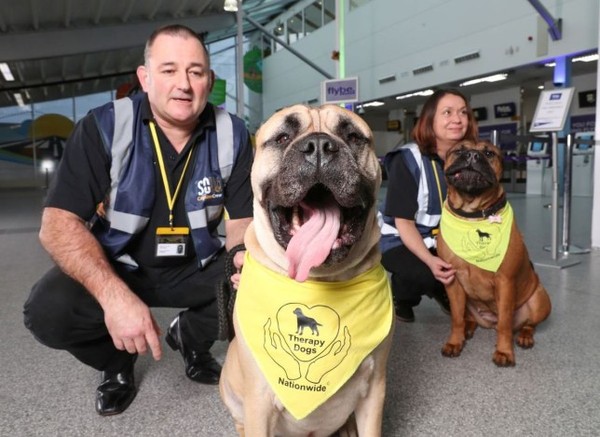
308,331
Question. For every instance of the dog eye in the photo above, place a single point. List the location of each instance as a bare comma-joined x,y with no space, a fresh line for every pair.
354,137
282,138
489,154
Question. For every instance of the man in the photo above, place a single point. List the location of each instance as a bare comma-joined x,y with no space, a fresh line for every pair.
131,221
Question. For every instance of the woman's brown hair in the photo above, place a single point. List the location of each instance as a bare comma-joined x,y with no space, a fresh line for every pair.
423,133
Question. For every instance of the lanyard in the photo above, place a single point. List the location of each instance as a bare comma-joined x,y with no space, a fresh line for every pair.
163,172
437,180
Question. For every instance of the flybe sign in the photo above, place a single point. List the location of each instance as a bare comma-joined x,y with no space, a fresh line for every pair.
339,90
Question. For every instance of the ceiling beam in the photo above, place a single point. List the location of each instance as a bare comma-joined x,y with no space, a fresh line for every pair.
65,42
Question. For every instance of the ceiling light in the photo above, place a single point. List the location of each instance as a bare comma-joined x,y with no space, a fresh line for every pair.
373,103
418,93
19,99
586,58
5,70
541,87
230,5
492,78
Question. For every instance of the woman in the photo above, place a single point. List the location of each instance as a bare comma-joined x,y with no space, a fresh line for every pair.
413,204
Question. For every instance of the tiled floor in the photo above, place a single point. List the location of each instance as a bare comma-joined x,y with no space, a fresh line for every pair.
554,390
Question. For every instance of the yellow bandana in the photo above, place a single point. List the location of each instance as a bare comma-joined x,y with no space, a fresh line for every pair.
309,338
482,242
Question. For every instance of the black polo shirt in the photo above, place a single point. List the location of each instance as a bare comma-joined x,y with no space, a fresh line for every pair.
402,196
83,180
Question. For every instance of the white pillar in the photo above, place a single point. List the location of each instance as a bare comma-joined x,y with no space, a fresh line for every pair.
239,61
596,187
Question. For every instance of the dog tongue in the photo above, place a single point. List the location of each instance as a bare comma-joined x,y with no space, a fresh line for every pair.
313,241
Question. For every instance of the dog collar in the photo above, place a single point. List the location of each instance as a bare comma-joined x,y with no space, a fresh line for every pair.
483,213
308,338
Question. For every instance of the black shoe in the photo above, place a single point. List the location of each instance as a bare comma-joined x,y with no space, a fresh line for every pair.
116,391
440,296
404,312
200,366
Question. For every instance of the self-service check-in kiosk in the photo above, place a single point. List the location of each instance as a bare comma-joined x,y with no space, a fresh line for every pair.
583,164
539,175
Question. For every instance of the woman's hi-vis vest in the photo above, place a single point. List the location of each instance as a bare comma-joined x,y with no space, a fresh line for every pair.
429,176
132,192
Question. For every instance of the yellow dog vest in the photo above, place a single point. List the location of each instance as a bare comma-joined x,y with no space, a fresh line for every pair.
482,242
309,338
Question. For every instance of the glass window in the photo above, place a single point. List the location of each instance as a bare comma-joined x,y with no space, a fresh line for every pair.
84,103
294,28
279,32
328,11
313,17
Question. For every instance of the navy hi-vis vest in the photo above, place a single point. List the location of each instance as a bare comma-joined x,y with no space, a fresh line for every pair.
132,192
429,176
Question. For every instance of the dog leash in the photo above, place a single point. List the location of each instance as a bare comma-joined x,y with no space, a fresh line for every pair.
226,296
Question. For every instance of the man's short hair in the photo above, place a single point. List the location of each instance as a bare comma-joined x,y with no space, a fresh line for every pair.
173,30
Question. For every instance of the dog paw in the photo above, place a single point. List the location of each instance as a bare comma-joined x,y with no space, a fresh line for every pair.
451,350
524,341
503,360
525,338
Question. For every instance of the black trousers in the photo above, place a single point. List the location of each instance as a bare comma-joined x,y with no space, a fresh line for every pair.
62,314
410,277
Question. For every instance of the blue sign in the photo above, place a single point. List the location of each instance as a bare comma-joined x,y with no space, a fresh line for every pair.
339,90
505,110
508,131
583,123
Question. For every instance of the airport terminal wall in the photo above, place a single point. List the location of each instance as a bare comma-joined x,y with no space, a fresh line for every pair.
396,37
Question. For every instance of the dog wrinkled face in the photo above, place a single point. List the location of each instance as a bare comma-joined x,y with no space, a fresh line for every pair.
320,185
473,168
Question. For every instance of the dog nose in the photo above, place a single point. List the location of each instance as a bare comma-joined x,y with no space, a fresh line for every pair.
318,149
472,156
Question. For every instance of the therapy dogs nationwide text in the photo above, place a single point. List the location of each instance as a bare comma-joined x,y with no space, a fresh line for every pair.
313,315
495,284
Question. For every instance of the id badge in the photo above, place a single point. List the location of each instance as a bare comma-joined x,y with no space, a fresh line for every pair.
172,241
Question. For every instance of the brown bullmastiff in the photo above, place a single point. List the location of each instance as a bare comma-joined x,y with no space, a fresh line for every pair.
313,315
495,285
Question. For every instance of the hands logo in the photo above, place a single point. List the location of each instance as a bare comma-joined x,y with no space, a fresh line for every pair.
306,341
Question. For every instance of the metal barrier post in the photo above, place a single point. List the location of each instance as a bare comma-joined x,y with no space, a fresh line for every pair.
495,138
563,261
554,243
566,225
567,193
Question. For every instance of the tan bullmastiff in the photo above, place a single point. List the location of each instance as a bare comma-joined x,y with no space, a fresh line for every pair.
313,315
495,284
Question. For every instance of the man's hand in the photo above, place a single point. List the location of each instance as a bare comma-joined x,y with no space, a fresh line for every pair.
129,321
131,325
238,262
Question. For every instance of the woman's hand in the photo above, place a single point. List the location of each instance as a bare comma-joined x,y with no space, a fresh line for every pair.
442,271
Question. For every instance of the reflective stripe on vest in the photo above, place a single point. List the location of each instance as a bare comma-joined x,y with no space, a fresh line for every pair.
120,150
224,137
429,209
